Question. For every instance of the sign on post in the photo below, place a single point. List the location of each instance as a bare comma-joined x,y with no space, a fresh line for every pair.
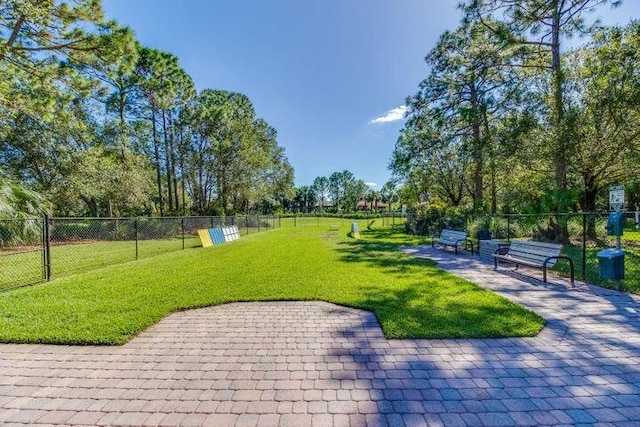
616,198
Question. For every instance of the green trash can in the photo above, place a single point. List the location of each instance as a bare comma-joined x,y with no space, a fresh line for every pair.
611,264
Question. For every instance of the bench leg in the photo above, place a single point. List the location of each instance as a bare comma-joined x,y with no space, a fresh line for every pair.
544,274
455,249
495,263
573,282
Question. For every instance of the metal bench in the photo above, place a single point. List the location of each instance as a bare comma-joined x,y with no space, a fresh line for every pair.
532,254
452,238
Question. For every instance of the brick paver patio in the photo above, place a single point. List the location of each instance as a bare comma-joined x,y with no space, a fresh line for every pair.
314,363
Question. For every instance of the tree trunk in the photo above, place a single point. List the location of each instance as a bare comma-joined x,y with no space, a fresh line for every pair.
156,153
478,184
494,189
91,204
590,194
123,123
167,162
172,150
558,105
559,121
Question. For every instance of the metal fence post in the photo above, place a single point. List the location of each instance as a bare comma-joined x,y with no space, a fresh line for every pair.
258,221
182,226
47,249
508,228
584,246
211,221
135,228
246,221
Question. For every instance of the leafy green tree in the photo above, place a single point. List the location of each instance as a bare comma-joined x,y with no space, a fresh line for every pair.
16,201
534,30
43,43
305,199
431,161
64,66
110,186
373,197
604,110
321,189
466,86
237,160
389,194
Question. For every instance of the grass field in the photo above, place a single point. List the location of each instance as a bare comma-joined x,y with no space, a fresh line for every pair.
410,296
69,258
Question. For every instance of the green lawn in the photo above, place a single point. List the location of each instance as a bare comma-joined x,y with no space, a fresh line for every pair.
630,233
70,258
66,259
410,296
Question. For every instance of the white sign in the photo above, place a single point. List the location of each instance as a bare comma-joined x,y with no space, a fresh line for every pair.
616,198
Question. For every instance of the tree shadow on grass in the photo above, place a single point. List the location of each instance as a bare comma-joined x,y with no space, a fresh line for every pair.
378,248
434,305
437,310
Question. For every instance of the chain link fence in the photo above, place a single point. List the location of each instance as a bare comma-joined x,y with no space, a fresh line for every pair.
583,235
22,252
39,249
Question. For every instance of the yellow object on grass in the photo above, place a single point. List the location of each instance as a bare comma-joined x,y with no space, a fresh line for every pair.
205,238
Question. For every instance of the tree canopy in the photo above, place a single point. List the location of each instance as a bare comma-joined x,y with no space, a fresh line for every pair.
508,119
100,125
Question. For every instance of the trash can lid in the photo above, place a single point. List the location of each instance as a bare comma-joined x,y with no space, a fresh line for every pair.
611,253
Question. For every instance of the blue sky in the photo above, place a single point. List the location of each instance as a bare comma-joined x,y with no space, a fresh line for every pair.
319,71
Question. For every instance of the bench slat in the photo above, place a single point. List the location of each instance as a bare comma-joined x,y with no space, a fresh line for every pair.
537,245
453,235
451,238
533,254
530,256
521,259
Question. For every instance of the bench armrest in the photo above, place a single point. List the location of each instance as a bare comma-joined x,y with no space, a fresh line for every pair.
465,241
469,243
501,251
544,264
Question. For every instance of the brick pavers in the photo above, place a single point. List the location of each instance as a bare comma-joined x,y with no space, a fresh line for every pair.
315,363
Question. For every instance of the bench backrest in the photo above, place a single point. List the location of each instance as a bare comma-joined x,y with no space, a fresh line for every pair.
535,252
452,235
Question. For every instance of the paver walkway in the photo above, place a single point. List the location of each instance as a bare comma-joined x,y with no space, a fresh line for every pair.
314,363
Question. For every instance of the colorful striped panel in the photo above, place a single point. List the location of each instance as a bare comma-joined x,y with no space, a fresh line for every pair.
219,236
212,232
205,238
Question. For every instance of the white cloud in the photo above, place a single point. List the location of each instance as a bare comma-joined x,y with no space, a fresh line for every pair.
392,115
370,184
